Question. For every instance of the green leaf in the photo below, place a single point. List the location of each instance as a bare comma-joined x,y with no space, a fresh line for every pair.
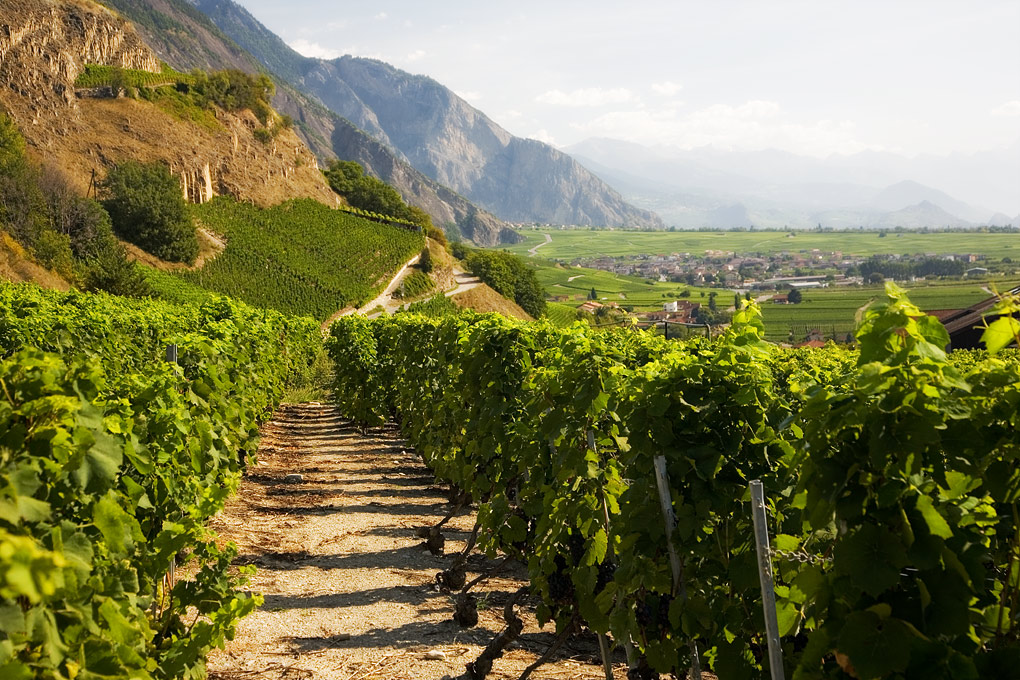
102,463
875,647
597,550
936,524
872,557
113,523
1000,333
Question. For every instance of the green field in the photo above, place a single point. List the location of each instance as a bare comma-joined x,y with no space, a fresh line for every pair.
569,244
833,310
624,290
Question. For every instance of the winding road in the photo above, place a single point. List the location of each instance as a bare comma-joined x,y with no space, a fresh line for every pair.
465,282
547,241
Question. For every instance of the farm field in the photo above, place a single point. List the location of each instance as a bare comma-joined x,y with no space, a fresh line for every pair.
832,310
624,290
573,243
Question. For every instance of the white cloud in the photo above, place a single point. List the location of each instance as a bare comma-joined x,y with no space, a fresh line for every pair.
381,16
543,136
1010,108
667,88
416,55
754,124
468,95
313,49
587,97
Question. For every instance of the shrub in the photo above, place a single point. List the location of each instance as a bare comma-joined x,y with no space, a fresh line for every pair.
148,209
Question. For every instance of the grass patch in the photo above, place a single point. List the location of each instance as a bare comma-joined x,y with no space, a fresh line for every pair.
415,285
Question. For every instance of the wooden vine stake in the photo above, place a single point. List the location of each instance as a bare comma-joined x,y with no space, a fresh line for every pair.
768,593
662,483
171,575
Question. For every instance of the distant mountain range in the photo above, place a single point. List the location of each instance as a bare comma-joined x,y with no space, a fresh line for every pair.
708,187
438,133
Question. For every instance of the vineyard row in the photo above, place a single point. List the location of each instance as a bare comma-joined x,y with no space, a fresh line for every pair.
891,475
112,460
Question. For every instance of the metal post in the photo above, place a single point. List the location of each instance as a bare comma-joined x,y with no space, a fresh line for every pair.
666,501
768,593
171,354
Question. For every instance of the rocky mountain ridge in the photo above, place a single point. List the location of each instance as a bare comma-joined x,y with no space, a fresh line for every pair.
185,38
440,134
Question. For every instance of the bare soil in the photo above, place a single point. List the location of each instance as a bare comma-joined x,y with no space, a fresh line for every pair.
350,589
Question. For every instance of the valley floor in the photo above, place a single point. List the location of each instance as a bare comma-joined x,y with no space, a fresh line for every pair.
349,588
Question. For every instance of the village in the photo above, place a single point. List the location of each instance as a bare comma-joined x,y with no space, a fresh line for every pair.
782,270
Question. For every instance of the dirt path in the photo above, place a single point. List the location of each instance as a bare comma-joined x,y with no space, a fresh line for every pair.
534,251
465,282
349,588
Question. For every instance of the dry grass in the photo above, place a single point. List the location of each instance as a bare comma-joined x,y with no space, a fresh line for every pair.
482,298
17,266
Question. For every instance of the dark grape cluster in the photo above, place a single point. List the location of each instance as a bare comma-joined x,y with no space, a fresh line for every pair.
607,570
561,587
652,614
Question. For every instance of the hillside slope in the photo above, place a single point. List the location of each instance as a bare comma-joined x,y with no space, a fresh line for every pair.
441,134
186,38
45,49
17,267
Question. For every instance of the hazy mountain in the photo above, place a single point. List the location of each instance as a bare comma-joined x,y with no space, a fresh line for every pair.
689,187
924,214
909,193
185,38
440,134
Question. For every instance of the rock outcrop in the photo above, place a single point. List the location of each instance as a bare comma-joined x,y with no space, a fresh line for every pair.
45,45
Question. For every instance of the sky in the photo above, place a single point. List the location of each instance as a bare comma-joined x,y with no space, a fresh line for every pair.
813,77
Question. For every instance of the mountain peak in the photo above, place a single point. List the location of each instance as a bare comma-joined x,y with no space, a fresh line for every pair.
438,133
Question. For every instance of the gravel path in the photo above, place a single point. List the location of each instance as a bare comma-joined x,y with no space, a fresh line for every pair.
349,588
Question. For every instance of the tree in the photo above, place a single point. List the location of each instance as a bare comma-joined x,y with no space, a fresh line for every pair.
425,261
363,191
148,209
711,301
593,295
794,297
509,276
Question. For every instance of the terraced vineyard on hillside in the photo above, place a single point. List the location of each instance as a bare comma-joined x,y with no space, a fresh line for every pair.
300,257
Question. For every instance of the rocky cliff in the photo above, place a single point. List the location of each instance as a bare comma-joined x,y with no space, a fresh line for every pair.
45,44
440,134
185,38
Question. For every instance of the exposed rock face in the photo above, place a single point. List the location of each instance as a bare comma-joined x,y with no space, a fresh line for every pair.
45,44
443,204
185,38
440,134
